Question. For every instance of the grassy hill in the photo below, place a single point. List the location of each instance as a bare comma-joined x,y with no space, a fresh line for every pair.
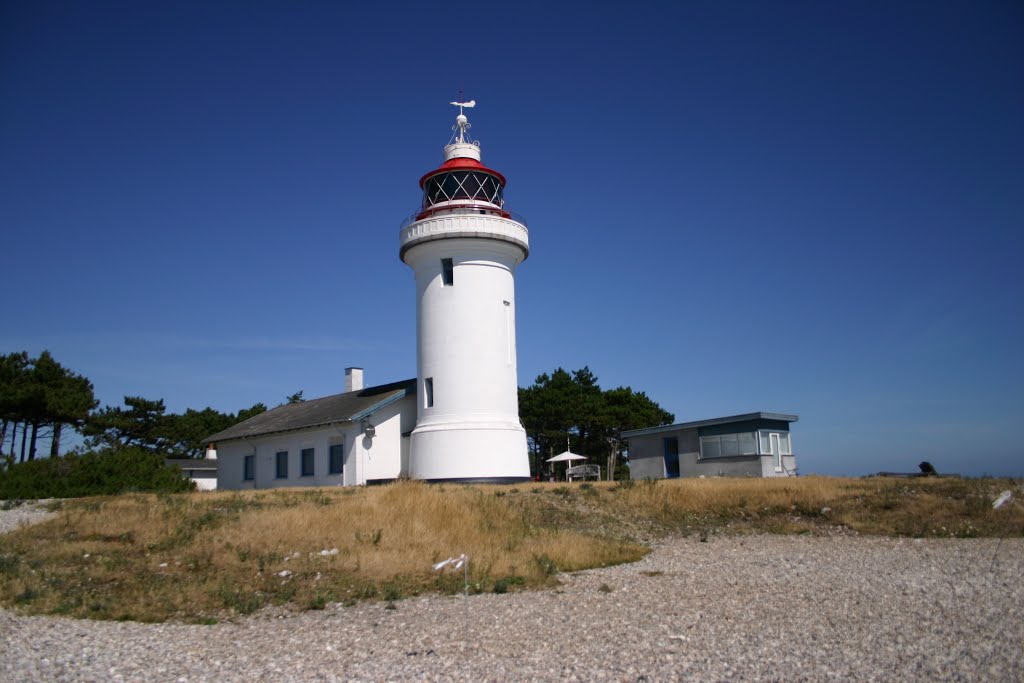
209,556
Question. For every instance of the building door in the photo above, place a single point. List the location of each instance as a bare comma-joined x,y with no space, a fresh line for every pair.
773,440
336,461
671,457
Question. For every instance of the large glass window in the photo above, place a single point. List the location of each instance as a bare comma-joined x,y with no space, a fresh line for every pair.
785,447
728,445
710,447
450,186
307,462
337,458
472,185
282,465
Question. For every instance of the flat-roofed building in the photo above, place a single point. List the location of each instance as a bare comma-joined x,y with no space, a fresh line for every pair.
748,445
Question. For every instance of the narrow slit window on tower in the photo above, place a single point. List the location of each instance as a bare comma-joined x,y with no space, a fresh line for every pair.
508,331
447,272
428,391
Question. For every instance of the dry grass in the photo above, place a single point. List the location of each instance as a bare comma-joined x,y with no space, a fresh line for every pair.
207,556
918,507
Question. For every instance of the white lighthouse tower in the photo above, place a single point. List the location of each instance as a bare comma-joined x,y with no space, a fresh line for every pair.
464,248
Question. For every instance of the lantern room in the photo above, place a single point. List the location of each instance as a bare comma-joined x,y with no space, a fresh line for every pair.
462,184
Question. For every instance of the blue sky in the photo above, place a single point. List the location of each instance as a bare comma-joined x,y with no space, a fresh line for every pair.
813,208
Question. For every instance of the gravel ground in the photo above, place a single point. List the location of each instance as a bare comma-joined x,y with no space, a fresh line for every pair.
28,512
765,608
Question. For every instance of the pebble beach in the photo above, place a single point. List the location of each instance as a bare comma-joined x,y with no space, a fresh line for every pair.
754,608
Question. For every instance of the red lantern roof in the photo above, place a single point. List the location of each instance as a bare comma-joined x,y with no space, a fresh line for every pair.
460,163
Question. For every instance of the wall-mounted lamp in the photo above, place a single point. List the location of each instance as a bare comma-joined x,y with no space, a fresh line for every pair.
368,429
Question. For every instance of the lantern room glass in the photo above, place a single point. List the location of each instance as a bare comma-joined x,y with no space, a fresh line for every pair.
462,185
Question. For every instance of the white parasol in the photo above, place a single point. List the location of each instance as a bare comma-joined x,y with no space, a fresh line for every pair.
566,456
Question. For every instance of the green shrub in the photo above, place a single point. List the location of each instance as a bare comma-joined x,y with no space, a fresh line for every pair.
96,473
546,565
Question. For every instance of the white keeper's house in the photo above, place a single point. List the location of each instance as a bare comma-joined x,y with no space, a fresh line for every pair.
360,436
458,420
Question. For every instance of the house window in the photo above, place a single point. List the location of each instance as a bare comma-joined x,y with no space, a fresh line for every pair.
728,445
746,443
248,463
282,465
447,272
785,447
337,458
307,462
428,391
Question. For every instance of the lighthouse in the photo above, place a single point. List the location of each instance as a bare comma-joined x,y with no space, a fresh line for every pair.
464,246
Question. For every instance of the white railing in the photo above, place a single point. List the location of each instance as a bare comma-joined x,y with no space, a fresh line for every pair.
465,225
469,209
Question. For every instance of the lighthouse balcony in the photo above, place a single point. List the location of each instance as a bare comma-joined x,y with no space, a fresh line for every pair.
458,223
464,207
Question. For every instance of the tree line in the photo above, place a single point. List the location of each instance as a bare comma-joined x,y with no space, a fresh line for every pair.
569,411
40,399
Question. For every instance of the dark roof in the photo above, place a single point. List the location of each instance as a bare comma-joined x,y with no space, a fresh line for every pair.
316,412
746,417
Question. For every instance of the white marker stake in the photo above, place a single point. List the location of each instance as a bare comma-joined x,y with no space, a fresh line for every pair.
1004,498
463,562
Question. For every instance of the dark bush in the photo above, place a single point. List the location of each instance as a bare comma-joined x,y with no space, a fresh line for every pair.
96,473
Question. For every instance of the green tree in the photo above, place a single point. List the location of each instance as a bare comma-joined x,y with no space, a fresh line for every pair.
145,423
15,370
68,397
184,433
40,393
570,409
141,423
545,409
253,411
105,472
626,409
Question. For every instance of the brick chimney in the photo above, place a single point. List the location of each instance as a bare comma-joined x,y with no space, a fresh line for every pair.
353,379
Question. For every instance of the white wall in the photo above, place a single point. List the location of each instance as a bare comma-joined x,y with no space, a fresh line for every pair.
466,345
364,459
768,466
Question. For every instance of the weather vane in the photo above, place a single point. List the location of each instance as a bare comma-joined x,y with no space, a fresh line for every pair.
461,122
